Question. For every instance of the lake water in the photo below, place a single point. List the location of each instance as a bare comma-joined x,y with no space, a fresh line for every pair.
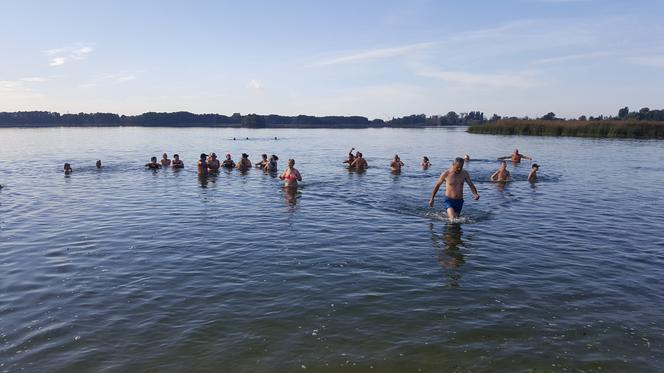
126,269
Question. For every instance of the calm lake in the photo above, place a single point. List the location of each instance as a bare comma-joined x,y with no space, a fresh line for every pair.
126,269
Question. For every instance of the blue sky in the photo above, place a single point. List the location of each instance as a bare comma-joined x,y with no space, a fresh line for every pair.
373,58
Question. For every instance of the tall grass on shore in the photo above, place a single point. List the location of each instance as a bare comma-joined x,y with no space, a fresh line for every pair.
604,128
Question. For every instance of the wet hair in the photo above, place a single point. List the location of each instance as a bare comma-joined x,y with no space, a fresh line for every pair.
426,158
274,156
153,159
458,160
203,156
535,165
264,155
245,155
291,160
67,165
176,155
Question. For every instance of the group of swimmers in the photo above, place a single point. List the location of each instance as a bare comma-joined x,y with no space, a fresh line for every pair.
209,164
454,177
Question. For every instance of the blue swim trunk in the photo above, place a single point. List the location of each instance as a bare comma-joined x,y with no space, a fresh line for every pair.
456,204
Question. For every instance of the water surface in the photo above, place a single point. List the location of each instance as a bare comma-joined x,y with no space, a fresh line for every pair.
126,269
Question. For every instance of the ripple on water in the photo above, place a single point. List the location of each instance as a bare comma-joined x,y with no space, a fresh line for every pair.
127,269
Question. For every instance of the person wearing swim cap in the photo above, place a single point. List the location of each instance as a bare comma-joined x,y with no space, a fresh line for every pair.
454,178
291,175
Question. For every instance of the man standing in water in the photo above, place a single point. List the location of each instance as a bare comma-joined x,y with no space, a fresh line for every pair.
454,177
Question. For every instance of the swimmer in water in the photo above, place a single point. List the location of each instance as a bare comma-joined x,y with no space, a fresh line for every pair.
67,169
177,163
271,166
425,162
502,175
359,163
466,158
165,161
228,162
532,176
202,165
291,175
213,163
263,162
244,164
516,157
153,165
351,158
396,164
454,178
98,163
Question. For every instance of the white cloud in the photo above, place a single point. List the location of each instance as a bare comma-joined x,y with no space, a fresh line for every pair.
571,57
57,61
255,84
81,53
21,85
482,80
378,53
76,52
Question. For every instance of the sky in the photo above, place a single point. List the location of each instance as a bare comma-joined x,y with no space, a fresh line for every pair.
379,59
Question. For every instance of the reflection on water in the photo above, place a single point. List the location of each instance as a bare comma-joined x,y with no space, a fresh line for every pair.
449,245
290,196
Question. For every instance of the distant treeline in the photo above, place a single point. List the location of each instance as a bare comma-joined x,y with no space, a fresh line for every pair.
644,123
186,119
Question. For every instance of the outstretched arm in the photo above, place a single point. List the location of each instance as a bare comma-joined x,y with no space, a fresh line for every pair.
505,157
526,157
494,176
472,187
